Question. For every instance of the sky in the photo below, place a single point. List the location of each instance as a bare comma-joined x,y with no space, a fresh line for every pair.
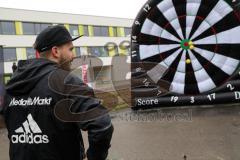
110,8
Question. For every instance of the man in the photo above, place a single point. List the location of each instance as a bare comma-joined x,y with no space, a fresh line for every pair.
14,67
41,126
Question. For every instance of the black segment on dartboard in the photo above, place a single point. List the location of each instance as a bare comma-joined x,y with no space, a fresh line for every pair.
172,69
191,86
181,10
205,8
135,56
228,22
162,56
228,50
216,74
145,39
157,17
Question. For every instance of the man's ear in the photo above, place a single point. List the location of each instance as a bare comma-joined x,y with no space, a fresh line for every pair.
55,52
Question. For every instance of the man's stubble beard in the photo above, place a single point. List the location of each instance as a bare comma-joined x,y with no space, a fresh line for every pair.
64,64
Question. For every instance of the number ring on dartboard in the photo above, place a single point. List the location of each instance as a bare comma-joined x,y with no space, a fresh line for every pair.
197,42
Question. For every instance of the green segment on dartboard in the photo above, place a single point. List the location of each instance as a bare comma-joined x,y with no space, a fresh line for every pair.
185,44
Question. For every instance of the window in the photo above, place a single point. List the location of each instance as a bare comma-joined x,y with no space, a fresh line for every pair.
40,27
73,30
128,31
97,51
28,28
45,25
100,31
31,54
34,28
1,54
86,33
78,51
9,54
97,31
105,31
7,28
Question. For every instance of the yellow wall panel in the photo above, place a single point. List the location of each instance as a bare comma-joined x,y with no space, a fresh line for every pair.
120,31
19,28
111,32
81,29
90,30
67,26
21,53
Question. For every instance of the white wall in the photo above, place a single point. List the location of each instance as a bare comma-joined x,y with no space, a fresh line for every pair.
52,17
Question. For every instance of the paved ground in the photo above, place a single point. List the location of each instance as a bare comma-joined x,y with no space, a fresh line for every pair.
204,133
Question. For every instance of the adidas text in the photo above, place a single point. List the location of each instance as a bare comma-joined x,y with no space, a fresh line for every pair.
29,138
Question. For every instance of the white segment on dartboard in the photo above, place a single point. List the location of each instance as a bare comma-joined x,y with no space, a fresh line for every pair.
178,83
218,12
204,81
192,10
147,51
182,64
160,69
151,28
204,53
169,12
177,27
169,60
226,64
195,63
206,25
189,23
230,36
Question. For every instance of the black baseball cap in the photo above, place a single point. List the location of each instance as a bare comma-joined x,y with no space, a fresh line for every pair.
53,36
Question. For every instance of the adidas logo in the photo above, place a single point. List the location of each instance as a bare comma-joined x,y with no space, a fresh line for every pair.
30,102
29,133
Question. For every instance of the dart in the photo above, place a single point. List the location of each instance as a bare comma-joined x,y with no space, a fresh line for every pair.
191,47
188,61
190,43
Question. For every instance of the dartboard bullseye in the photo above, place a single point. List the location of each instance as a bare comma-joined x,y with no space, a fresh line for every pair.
196,41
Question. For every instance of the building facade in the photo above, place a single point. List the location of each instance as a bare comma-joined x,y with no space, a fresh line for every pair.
19,28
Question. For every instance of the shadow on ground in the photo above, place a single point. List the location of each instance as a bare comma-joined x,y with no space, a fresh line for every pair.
198,133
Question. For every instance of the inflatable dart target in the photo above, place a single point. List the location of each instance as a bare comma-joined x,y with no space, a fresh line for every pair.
194,45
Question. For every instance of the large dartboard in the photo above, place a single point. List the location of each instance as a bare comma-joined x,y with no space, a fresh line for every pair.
196,41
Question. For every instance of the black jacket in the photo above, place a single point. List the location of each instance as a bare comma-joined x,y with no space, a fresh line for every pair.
44,115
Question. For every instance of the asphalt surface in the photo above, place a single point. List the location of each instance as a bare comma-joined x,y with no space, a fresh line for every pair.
198,133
